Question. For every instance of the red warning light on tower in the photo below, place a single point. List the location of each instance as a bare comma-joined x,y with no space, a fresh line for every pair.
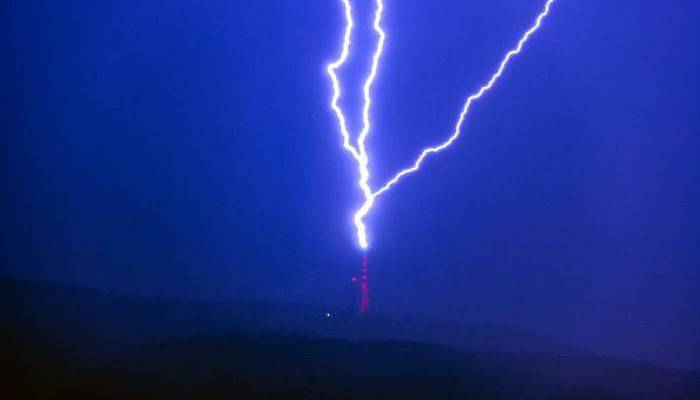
364,286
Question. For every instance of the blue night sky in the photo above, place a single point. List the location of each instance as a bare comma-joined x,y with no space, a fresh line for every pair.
183,148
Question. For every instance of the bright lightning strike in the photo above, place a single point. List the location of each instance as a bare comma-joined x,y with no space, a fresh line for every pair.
359,152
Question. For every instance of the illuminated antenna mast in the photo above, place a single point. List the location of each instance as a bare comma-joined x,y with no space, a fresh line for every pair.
364,286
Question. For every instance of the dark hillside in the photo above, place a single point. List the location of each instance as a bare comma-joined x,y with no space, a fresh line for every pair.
64,342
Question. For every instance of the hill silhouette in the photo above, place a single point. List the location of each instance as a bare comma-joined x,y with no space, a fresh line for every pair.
85,318
65,342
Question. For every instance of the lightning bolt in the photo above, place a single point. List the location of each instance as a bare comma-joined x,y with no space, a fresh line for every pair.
359,152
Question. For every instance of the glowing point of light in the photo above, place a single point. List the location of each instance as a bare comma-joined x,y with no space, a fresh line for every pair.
359,153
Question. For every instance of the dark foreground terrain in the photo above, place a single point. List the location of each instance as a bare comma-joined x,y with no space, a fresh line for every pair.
64,342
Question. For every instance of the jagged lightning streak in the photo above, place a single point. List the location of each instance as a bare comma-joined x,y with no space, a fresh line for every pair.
331,68
361,155
460,121
364,158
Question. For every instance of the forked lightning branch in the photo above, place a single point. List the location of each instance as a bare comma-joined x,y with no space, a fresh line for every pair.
355,144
